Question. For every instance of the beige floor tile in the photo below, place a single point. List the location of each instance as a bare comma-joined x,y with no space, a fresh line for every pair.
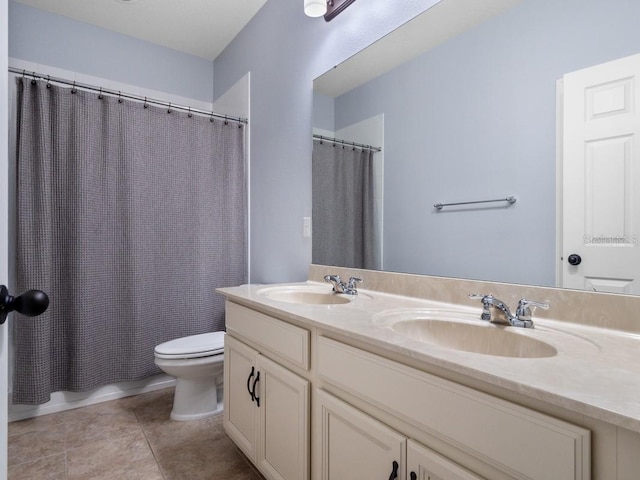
48,468
91,412
31,446
101,426
154,410
110,458
132,438
202,459
36,424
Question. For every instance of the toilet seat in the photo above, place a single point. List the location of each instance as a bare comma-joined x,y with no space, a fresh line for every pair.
193,346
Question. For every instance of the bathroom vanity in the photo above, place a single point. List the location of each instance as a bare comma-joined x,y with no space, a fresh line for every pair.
405,381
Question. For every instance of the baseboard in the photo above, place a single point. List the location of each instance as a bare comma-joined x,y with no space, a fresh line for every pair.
61,401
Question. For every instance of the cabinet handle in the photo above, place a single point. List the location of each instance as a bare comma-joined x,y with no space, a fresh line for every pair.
253,370
253,389
394,471
413,476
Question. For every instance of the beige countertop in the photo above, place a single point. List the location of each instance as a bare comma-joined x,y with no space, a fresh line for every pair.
596,371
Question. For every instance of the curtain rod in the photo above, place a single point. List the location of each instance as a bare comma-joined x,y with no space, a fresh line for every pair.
345,142
106,91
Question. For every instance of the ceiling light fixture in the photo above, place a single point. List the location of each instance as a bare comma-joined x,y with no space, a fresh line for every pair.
315,8
329,8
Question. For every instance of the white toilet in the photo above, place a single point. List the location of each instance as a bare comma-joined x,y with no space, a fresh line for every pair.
196,362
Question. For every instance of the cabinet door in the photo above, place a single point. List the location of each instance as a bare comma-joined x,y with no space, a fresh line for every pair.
240,412
354,445
283,398
425,464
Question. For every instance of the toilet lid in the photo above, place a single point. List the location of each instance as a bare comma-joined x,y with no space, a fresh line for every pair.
194,345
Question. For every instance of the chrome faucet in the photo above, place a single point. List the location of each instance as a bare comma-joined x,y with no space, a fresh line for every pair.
349,288
522,318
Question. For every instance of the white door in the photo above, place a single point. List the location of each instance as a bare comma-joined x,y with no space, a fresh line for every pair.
283,448
425,464
240,378
354,445
4,225
601,178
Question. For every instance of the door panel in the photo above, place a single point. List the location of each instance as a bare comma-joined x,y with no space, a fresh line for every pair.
601,176
284,422
240,413
4,227
425,464
355,445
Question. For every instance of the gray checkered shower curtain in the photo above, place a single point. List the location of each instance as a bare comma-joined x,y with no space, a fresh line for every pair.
130,218
342,191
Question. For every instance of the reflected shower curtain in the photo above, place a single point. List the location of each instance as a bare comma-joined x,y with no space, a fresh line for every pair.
129,216
342,191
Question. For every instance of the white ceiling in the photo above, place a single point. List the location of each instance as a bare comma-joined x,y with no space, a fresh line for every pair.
198,27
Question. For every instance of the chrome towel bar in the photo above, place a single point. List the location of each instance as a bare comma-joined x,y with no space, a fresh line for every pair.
510,199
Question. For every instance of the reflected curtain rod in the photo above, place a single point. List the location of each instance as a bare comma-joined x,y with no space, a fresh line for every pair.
347,143
115,93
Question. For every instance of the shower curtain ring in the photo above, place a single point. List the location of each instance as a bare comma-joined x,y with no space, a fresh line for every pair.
119,96
48,80
33,80
73,88
211,118
169,109
145,103
100,96
226,122
354,146
189,114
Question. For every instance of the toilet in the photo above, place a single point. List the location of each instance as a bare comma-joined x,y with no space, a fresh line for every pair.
196,362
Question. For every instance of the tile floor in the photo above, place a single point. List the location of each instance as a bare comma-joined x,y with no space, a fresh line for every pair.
129,439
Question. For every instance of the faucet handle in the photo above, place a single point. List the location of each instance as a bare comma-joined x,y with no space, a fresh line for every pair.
332,278
478,296
486,303
352,282
523,312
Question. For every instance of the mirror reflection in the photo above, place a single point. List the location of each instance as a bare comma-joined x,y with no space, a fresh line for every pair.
477,113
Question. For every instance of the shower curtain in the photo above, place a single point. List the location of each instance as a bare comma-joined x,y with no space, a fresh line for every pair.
129,216
342,212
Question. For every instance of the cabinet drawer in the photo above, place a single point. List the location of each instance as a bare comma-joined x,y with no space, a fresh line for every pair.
278,338
514,439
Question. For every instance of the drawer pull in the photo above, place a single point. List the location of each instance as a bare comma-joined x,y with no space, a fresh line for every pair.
252,393
394,471
253,389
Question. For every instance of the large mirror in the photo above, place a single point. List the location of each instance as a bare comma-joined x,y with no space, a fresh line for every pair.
462,103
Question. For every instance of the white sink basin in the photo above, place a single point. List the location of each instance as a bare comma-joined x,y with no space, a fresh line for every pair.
484,338
465,331
303,294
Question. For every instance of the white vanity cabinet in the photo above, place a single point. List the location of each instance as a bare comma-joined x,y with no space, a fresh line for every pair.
266,405
354,445
373,417
515,441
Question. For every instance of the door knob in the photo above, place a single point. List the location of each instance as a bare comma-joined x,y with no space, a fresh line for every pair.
574,259
30,303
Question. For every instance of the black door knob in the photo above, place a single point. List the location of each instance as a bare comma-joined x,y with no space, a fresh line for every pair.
31,303
574,259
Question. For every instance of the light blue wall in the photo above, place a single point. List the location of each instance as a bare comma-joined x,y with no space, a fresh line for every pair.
476,118
284,50
57,41
323,112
